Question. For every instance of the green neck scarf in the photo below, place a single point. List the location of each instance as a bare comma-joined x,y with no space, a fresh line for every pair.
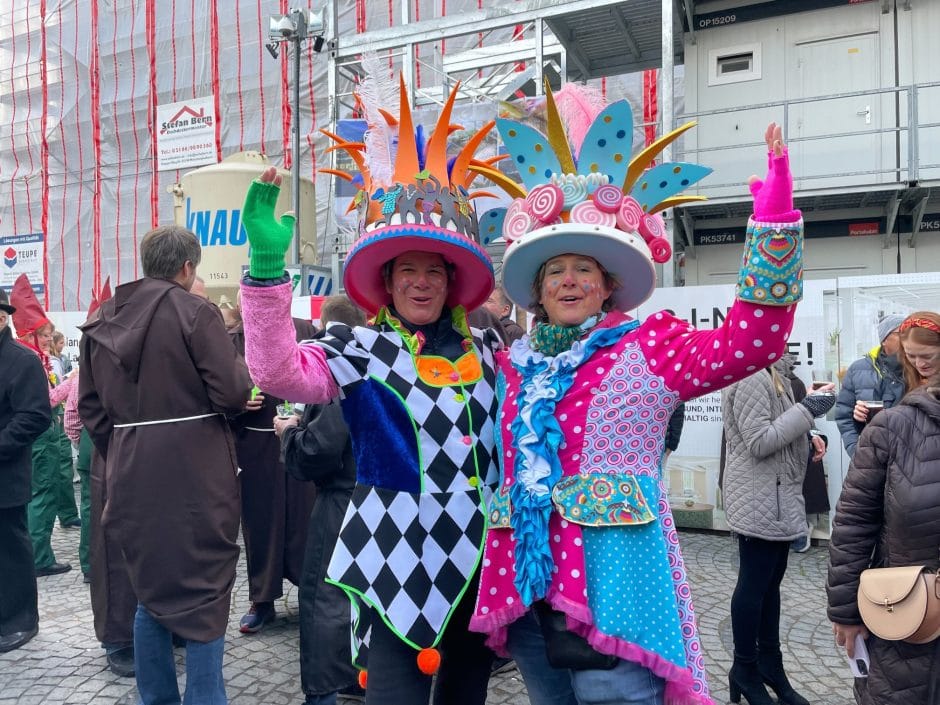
551,340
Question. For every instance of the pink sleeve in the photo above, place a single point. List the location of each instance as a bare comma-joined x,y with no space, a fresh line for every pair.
278,364
71,421
59,394
694,362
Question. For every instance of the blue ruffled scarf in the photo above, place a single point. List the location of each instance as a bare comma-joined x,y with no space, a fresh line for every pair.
537,437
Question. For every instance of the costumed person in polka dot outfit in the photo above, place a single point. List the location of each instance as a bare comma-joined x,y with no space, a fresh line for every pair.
581,537
417,387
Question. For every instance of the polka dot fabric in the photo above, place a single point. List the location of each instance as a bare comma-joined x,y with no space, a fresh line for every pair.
614,416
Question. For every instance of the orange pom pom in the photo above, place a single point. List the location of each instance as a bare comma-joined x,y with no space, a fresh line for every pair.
363,679
429,660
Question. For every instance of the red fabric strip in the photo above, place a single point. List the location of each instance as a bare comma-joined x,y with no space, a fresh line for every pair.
262,20
286,107
238,79
136,142
45,159
216,88
29,118
81,163
120,149
65,177
152,110
650,106
95,77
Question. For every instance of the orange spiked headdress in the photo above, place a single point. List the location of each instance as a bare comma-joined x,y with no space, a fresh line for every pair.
414,197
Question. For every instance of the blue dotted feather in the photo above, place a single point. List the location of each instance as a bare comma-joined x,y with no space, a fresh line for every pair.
491,225
608,144
533,155
666,180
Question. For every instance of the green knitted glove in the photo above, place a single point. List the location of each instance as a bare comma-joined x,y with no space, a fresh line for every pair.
269,238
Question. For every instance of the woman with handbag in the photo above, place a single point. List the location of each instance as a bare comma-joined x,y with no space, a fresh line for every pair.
889,516
768,442
581,542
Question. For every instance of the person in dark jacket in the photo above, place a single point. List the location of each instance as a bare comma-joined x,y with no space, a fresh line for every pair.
275,507
889,515
674,430
24,415
875,377
317,449
500,306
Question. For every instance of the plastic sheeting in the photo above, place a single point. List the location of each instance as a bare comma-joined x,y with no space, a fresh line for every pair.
79,86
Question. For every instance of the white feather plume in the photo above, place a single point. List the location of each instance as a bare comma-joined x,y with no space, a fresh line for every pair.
378,90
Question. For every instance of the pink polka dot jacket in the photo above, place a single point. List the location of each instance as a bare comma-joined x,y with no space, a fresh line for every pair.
611,558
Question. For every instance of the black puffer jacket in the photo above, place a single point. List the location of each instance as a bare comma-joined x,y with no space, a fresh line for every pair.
889,515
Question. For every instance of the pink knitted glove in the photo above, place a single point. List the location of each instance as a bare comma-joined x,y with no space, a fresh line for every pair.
773,197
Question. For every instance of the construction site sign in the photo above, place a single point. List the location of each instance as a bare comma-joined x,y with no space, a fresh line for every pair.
186,134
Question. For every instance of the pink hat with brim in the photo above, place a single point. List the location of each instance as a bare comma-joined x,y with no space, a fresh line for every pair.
362,274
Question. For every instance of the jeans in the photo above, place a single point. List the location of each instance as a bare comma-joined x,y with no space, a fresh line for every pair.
755,604
156,668
627,683
545,685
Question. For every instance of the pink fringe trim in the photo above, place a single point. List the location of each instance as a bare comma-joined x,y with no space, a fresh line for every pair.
679,681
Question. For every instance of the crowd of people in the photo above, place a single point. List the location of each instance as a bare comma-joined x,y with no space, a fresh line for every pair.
445,487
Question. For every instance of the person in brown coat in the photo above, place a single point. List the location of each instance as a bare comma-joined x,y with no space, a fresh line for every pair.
275,506
159,377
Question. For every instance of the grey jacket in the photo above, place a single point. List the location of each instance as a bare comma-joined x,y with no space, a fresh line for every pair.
767,446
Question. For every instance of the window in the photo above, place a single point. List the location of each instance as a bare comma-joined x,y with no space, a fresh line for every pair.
734,64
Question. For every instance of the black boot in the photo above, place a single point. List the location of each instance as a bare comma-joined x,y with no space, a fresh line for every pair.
745,679
771,670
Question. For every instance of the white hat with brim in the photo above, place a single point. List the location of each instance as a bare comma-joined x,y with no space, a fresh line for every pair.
624,255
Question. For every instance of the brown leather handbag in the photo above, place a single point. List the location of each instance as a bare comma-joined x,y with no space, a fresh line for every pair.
900,604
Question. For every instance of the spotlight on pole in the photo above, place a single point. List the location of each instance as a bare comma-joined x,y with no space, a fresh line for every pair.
296,27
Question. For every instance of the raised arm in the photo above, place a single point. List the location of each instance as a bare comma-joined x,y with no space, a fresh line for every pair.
755,332
277,364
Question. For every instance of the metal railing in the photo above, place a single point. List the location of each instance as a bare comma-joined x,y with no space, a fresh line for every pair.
899,117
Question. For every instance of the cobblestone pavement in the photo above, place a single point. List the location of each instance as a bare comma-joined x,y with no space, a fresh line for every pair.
64,664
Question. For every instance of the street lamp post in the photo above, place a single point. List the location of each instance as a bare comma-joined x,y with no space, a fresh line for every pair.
295,27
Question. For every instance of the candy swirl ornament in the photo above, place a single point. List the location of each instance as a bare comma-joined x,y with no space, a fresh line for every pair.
517,221
629,214
589,214
545,202
652,226
574,189
607,198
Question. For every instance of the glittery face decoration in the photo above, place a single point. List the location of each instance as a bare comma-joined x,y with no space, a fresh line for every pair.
418,285
573,289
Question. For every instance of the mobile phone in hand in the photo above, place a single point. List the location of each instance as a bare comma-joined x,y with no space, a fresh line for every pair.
859,664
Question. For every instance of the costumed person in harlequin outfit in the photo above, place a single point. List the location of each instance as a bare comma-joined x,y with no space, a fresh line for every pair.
34,331
417,390
581,536
24,416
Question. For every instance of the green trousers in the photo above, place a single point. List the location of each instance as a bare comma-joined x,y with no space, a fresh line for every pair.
43,506
65,489
83,467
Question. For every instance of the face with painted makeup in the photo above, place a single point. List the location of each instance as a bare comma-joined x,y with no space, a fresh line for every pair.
418,285
572,289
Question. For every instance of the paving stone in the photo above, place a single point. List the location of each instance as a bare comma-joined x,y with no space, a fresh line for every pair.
64,664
